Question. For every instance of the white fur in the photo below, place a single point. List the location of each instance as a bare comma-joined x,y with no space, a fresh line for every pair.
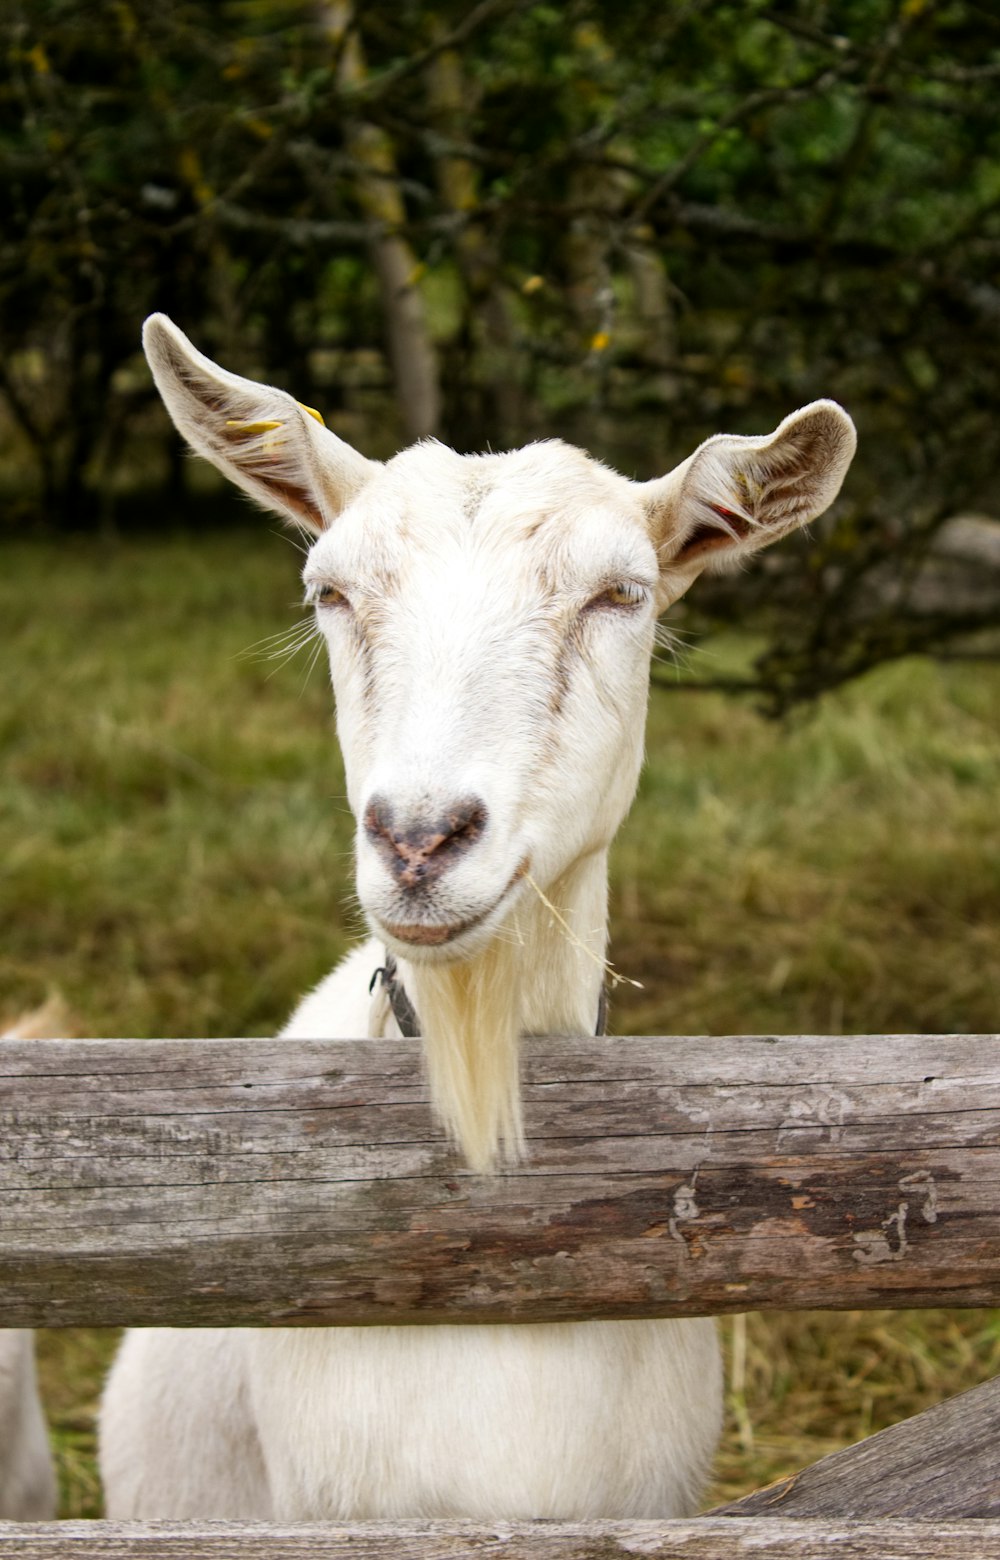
490,640
27,1481
27,1477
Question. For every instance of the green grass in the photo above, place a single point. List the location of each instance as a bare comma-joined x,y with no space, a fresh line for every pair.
176,839
175,859
840,876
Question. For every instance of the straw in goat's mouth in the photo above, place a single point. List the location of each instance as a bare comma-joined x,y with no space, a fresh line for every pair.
604,965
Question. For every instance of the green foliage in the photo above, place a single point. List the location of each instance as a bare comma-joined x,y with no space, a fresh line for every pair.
672,219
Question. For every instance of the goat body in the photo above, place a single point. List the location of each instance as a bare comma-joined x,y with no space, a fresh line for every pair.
489,621
579,1420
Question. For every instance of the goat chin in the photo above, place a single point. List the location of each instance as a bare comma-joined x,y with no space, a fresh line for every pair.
470,1016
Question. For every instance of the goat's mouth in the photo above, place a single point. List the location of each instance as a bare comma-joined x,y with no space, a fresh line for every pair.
436,934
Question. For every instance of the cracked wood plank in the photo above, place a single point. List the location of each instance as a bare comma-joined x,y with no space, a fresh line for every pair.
704,1538
941,1463
277,1182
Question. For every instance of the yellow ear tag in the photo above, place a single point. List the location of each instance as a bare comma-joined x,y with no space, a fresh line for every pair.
750,490
312,412
257,427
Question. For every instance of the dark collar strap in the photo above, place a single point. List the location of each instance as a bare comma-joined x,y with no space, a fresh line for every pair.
403,1010
405,1013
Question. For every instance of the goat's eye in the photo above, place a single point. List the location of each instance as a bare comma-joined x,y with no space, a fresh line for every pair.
624,593
326,595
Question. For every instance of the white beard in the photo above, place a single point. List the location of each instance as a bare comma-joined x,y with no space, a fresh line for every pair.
471,1019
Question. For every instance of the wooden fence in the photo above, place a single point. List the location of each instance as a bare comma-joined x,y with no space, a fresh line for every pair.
278,1182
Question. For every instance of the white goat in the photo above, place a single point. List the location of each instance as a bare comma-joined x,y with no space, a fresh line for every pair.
27,1482
489,621
27,1478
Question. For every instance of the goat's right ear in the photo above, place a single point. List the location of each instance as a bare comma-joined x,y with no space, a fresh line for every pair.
262,439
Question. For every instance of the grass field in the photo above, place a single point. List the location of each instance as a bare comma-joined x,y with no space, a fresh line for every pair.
175,859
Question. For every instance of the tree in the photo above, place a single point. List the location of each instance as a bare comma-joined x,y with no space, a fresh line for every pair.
632,226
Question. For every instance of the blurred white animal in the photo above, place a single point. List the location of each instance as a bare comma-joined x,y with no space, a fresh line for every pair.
27,1481
27,1478
489,621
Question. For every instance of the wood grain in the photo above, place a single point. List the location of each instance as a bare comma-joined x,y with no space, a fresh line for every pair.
706,1538
278,1182
941,1463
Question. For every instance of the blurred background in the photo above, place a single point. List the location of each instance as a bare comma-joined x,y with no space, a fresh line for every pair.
630,226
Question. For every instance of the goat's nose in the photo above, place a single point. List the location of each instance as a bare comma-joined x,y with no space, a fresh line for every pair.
423,849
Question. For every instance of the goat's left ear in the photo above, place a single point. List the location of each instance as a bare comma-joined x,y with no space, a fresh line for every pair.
735,495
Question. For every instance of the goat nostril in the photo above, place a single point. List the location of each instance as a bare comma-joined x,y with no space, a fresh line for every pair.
466,823
378,819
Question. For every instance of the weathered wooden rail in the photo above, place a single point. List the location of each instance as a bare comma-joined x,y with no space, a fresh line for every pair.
271,1182
704,1538
276,1183
944,1462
